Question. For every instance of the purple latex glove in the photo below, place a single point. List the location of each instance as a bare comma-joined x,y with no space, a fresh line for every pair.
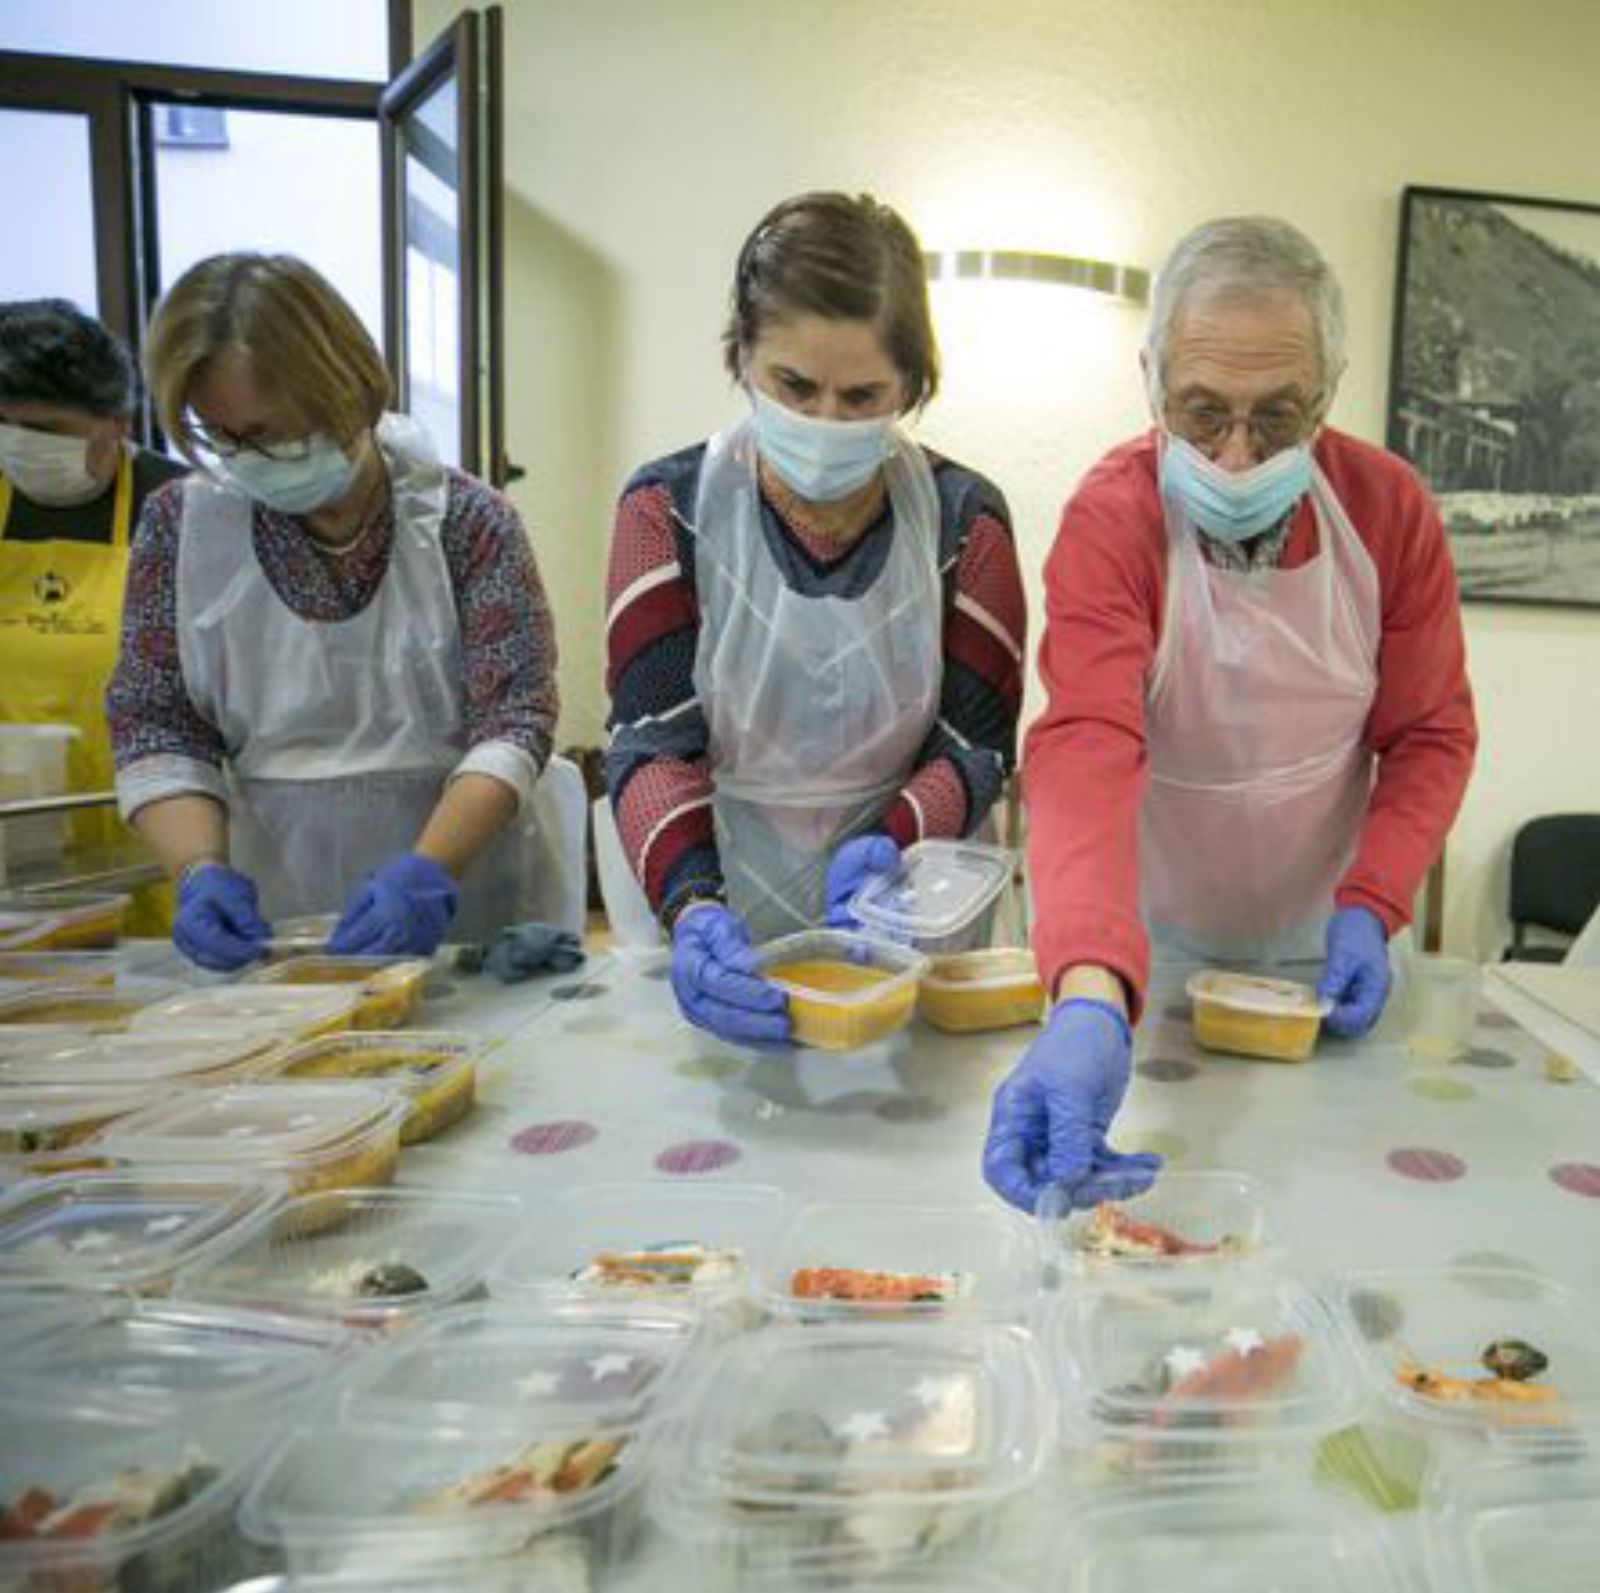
853,864
1355,978
714,979
402,908
218,923
1048,1127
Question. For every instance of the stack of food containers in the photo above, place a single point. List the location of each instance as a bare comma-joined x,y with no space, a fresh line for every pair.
60,921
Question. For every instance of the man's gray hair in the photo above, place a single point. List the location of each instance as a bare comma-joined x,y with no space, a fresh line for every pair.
1248,257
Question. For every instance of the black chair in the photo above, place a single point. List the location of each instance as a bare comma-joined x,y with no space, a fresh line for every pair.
1555,881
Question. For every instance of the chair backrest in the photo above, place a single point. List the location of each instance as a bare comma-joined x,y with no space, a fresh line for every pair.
1555,874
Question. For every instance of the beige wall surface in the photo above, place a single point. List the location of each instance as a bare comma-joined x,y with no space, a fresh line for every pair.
646,137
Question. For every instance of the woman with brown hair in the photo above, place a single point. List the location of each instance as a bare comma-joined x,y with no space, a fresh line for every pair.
815,626
337,678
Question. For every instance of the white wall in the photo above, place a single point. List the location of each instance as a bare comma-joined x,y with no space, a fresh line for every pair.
646,138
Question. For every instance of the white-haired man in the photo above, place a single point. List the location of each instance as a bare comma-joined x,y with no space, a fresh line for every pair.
1259,726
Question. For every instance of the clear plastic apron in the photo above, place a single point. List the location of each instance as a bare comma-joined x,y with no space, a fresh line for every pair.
816,706
1259,781
340,735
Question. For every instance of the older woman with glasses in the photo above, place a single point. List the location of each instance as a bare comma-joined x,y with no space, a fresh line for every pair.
1259,726
336,688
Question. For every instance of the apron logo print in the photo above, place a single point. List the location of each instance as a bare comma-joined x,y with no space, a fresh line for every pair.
51,588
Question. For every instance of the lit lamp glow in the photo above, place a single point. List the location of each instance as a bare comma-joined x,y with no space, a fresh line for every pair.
1022,265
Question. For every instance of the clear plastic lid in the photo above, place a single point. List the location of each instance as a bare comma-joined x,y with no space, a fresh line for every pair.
1212,1361
412,1059
813,1417
252,1123
939,889
1257,994
363,1256
993,968
121,1230
851,1261
312,1009
58,967
301,937
1186,1219
687,1241
46,1127
79,1008
1264,1539
141,1060
1476,1347
47,919
162,1356
513,1575
1515,1525
318,968
528,1371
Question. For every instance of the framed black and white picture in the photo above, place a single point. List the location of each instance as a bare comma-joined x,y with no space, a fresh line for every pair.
1494,386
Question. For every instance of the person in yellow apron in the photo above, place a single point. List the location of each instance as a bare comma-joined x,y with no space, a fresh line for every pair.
71,487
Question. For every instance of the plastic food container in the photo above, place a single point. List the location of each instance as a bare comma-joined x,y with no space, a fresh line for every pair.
155,1356
1206,1374
853,1447
1247,1015
33,764
115,1230
465,1576
301,937
1284,1534
970,991
1185,1220
1432,1364
371,1258
937,897
365,1495
302,1013
83,1009
142,1060
686,1242
58,967
60,921
1515,1525
436,1072
506,1367
845,990
129,1501
312,1136
836,1261
43,1127
388,989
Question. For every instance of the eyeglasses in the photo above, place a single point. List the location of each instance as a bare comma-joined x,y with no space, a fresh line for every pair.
224,444
1283,423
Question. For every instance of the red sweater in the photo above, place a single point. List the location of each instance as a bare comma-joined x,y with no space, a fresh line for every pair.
1084,762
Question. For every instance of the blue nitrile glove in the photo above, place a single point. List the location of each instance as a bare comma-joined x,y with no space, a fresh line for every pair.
1048,1127
714,979
1355,977
852,866
218,923
402,908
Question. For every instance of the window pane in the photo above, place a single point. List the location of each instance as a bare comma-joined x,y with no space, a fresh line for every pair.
309,38
433,270
45,156
284,183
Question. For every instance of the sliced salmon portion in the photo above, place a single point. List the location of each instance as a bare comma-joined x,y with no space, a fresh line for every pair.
1115,1233
1233,1377
851,1283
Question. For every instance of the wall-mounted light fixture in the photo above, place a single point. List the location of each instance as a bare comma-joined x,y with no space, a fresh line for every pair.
1022,265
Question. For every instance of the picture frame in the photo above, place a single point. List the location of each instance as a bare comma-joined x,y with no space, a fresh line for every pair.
1494,386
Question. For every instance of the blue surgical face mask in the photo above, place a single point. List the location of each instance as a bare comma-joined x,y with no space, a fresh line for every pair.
822,460
316,478
1233,506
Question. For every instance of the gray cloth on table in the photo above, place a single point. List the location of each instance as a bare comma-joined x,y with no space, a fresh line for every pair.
522,951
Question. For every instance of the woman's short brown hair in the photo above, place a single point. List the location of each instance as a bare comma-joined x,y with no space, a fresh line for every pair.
844,258
307,347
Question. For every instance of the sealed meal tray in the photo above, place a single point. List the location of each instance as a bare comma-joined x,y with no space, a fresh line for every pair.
1249,1015
121,1230
146,1059
43,1127
97,1501
301,1012
374,1258
435,1071
301,937
312,1136
838,1260
60,921
86,1009
58,968
1476,1347
937,898
388,989
845,990
971,991
1186,1219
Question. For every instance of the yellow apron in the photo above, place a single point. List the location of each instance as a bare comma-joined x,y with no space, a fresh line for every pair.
60,628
